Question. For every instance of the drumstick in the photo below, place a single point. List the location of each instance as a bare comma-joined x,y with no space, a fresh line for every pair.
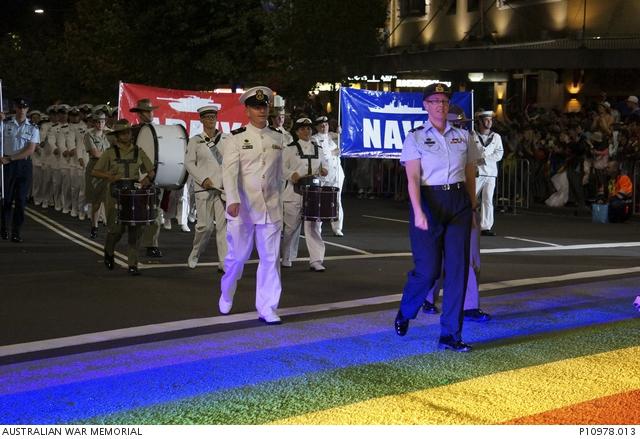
205,190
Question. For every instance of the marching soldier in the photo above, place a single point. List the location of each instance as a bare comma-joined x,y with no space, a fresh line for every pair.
302,158
123,160
203,161
490,144
20,138
252,179
95,143
440,162
35,118
144,110
78,160
48,158
335,177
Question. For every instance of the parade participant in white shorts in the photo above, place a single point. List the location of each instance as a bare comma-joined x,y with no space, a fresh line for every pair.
252,179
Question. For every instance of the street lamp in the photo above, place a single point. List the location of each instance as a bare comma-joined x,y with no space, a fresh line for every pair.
38,11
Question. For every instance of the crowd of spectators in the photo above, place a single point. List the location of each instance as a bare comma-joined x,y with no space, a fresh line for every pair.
569,154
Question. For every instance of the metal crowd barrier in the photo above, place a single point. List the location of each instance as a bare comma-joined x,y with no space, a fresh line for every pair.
512,185
636,192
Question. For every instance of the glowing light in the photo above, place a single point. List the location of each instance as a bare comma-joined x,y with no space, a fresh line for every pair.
38,11
475,76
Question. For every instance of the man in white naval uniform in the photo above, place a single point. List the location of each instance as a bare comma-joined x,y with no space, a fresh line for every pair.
36,160
203,161
490,144
335,177
47,145
78,160
302,158
252,180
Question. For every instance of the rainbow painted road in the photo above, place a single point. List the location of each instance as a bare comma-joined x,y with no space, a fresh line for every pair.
559,355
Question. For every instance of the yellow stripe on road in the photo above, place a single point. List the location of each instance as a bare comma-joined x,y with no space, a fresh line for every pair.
495,398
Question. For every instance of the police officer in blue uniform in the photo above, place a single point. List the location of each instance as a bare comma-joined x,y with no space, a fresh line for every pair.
20,140
440,162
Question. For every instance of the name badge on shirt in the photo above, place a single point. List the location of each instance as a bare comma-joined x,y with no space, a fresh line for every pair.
429,142
274,146
456,140
247,145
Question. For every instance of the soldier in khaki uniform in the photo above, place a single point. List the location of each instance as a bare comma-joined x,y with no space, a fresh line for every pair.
123,160
144,109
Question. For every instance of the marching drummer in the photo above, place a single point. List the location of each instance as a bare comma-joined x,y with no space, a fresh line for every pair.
121,162
203,161
144,109
252,178
302,158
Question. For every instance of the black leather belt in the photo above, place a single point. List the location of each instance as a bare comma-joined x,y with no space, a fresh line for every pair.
445,187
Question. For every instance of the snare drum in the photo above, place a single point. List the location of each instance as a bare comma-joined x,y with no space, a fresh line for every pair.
320,203
165,145
137,206
306,182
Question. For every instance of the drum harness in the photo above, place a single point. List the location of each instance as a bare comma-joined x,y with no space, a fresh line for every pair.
302,155
126,182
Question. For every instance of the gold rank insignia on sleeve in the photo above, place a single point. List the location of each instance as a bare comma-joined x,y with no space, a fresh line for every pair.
274,146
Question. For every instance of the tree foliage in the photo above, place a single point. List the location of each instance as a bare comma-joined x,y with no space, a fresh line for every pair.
286,44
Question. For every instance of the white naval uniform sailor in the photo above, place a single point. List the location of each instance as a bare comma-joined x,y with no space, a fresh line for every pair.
490,145
298,158
335,177
38,161
47,142
252,179
78,161
203,161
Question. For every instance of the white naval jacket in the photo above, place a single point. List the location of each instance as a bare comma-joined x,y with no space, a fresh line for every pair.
252,173
490,147
335,177
78,131
293,163
203,159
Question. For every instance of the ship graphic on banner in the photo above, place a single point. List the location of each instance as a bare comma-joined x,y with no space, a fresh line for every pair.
189,103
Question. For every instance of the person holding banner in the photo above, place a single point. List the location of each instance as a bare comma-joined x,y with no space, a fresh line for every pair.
335,177
440,162
490,145
144,109
302,158
252,179
203,161
123,160
19,140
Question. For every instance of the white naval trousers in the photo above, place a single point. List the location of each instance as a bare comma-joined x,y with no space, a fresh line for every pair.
36,184
485,187
210,216
57,188
46,186
291,236
240,238
65,189
78,203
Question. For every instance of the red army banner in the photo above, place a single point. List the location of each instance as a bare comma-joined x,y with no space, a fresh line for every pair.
180,106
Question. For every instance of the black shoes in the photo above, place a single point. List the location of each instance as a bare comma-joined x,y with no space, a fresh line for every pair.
133,270
94,233
429,308
108,261
16,238
488,233
401,324
4,235
476,315
453,345
154,252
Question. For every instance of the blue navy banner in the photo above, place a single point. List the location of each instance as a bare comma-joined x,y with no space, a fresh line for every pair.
375,123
